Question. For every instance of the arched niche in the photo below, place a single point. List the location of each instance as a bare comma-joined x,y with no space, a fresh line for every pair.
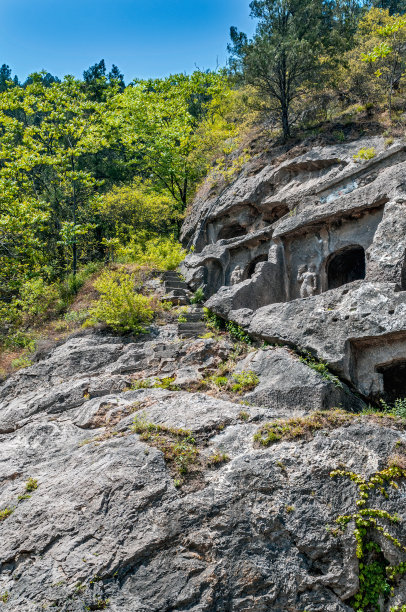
253,264
394,380
345,266
231,231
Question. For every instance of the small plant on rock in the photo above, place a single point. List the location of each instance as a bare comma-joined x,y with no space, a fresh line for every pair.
198,296
365,154
31,485
5,513
245,381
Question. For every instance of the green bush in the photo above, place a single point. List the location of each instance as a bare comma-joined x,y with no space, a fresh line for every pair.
158,253
198,296
398,408
118,306
245,381
365,154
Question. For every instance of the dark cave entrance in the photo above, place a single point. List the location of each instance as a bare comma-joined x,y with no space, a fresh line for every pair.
253,264
231,231
346,266
394,380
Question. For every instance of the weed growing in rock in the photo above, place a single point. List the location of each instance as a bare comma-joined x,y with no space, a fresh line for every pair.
289,509
178,445
99,604
245,381
375,574
5,513
243,416
31,485
23,497
237,332
301,427
198,296
4,597
218,459
321,368
166,383
365,154
213,321
238,383
398,408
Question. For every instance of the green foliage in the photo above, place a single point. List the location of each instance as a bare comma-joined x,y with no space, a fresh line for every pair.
245,381
237,332
166,383
4,597
243,416
119,306
157,253
213,321
31,485
375,576
398,408
198,296
321,368
178,445
5,513
365,154
218,459
301,427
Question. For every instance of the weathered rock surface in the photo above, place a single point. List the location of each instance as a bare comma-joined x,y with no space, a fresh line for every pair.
308,253
107,522
317,261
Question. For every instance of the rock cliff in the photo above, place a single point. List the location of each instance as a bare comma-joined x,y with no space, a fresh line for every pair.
134,477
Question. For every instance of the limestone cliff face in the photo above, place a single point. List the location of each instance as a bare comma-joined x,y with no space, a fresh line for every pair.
311,252
115,522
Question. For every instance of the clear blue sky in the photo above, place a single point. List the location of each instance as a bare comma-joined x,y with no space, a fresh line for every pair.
142,37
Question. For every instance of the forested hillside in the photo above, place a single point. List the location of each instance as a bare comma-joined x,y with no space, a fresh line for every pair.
94,173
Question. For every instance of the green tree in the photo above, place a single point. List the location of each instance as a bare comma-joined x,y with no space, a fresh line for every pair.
158,121
286,57
389,55
47,133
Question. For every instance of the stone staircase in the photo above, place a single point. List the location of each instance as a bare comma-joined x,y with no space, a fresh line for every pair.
194,325
176,290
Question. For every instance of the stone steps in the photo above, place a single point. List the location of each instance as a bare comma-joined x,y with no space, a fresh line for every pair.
194,325
176,290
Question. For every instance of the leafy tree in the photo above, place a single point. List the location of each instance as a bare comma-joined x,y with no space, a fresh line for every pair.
159,120
389,55
47,132
287,55
393,6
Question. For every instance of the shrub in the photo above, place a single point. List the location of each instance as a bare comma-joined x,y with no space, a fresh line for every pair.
118,306
365,154
198,296
158,253
398,408
245,381
31,485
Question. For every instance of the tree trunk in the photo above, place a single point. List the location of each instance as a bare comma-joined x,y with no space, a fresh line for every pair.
285,121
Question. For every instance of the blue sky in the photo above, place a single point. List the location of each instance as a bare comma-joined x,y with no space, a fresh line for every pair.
144,38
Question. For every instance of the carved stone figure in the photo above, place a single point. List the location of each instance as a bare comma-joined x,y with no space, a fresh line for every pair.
236,275
308,279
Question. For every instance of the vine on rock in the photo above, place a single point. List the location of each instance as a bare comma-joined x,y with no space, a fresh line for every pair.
376,578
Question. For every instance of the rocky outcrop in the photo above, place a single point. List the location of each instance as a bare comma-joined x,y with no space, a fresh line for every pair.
109,527
322,262
141,474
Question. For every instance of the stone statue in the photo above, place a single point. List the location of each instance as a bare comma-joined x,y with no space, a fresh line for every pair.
308,280
236,275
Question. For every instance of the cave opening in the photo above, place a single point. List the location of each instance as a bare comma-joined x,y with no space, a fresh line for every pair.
346,266
231,231
394,380
253,264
